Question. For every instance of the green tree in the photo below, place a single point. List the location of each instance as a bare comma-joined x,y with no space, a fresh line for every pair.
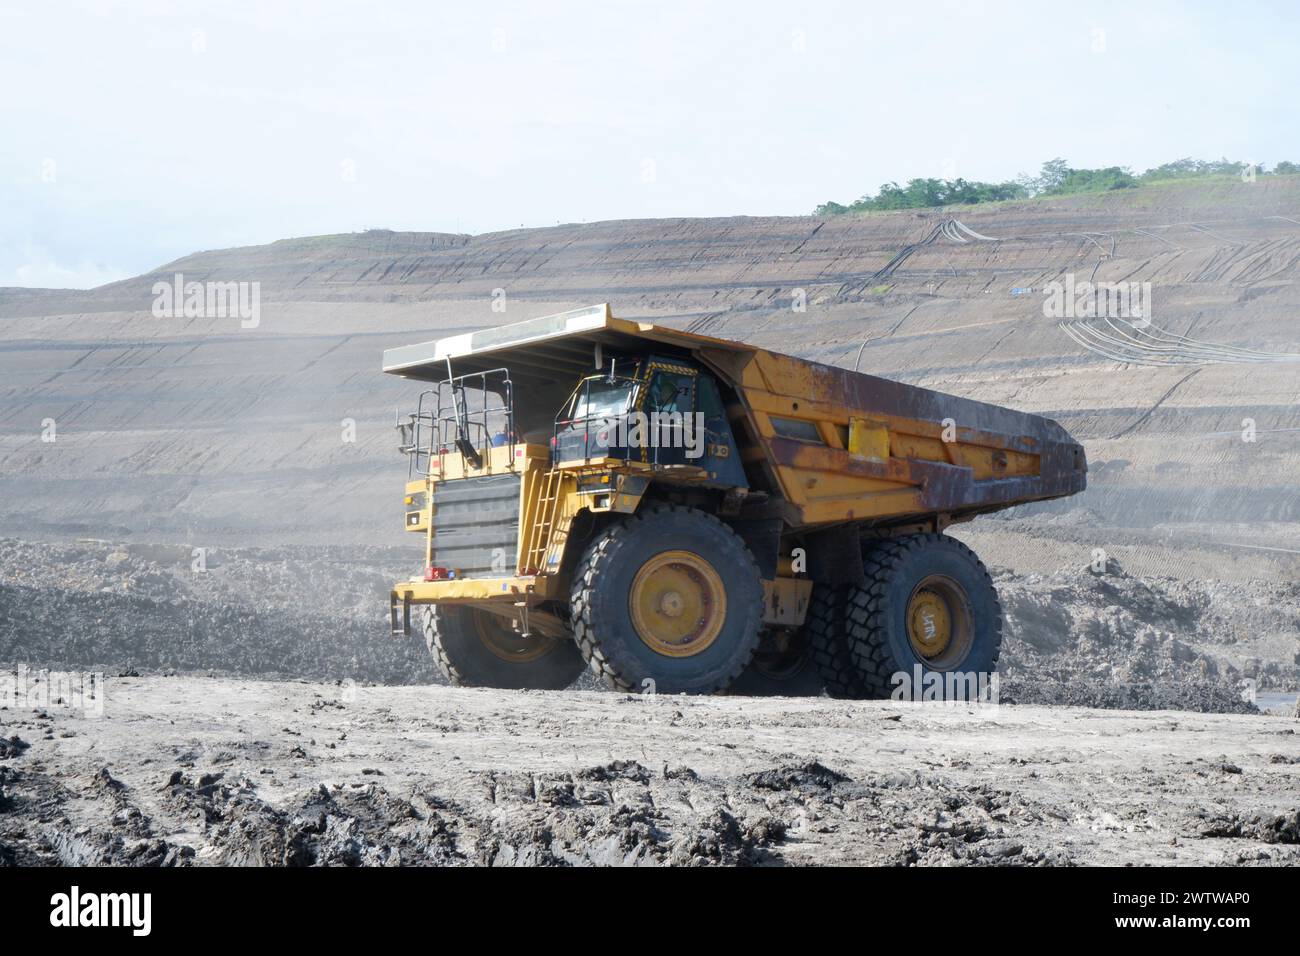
1056,178
830,208
1052,176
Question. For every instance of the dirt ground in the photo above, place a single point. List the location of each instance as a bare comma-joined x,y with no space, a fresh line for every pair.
192,770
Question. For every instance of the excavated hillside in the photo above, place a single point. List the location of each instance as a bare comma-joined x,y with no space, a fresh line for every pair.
201,433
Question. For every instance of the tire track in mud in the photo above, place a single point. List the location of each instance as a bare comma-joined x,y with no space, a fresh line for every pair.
1158,402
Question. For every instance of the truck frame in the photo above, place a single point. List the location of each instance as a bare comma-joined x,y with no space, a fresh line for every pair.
681,513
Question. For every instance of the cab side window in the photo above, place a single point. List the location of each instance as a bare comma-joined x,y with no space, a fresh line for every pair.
671,392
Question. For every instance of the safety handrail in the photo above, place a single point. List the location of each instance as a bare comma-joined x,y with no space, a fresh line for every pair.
446,420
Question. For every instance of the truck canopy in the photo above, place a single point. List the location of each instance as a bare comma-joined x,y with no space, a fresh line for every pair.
545,356
543,351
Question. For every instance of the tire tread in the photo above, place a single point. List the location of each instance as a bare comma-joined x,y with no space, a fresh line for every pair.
867,611
602,553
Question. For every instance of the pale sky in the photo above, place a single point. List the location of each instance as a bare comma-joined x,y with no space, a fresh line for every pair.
134,133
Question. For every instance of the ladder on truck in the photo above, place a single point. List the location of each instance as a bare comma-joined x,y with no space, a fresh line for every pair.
544,503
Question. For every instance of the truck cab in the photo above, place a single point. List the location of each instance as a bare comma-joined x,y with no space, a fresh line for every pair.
651,411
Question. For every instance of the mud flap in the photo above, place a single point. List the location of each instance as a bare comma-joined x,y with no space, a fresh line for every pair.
835,556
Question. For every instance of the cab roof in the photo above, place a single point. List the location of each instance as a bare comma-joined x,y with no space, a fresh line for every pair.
548,350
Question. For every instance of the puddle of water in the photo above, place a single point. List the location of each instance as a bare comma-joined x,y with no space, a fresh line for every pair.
1275,703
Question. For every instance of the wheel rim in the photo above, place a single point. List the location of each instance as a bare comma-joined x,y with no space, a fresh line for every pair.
678,604
940,625
504,642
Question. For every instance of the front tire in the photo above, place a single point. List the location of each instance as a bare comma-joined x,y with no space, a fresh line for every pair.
668,601
928,608
475,648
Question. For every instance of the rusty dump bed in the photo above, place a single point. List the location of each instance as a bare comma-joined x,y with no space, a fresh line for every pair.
833,444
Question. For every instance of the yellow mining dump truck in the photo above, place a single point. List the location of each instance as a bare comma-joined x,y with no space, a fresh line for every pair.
681,513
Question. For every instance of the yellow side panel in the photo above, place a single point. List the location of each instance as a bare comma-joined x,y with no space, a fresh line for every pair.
868,439
1021,463
923,449
826,481
856,507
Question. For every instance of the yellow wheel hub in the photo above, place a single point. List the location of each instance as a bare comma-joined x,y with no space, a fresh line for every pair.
678,604
506,643
940,623
929,625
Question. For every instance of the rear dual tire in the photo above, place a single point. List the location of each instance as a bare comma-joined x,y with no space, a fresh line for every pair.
782,666
926,623
827,626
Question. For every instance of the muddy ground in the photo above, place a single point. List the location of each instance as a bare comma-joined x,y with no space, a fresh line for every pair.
191,771
372,762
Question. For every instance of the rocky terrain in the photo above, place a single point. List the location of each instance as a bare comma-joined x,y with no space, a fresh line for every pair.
192,771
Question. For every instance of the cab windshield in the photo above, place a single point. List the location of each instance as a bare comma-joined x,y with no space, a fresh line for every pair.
600,398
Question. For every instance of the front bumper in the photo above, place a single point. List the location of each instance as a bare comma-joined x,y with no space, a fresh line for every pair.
512,589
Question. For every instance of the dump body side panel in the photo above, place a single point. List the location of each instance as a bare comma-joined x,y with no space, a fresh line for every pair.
845,446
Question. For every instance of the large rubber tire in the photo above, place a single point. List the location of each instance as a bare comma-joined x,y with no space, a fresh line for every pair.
600,599
827,626
791,673
878,635
456,639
